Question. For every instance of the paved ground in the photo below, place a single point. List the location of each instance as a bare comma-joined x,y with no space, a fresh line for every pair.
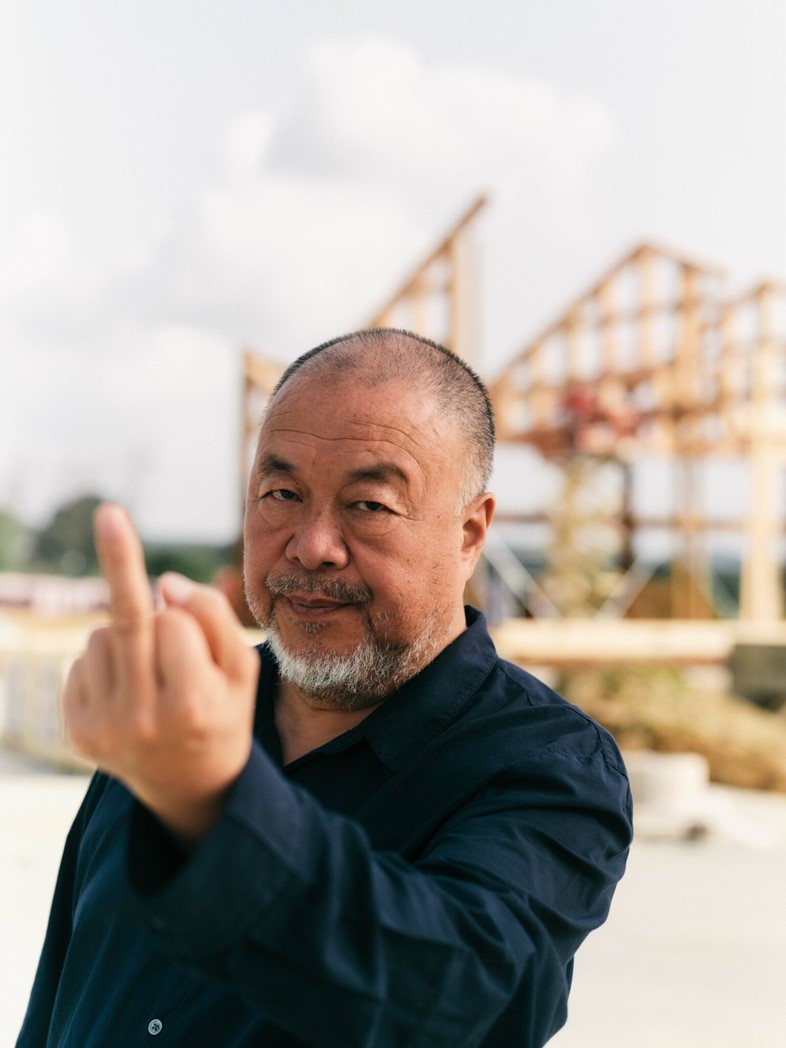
694,955
36,808
694,952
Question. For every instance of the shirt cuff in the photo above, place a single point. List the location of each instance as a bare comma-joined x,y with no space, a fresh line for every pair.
202,901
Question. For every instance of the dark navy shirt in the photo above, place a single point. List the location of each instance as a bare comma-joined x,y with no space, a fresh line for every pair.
423,879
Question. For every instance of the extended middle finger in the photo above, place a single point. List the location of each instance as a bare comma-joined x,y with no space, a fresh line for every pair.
130,599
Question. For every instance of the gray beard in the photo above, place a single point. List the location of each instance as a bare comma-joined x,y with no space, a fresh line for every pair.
359,679
355,681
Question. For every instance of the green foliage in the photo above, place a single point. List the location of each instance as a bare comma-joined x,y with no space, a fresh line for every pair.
14,542
65,545
199,563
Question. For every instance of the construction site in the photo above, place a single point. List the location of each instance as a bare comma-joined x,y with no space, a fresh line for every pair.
650,387
612,589
652,361
634,400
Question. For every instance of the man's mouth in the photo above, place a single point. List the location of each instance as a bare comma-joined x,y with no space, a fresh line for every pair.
311,608
326,594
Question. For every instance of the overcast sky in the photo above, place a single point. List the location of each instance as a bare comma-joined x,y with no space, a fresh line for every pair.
181,180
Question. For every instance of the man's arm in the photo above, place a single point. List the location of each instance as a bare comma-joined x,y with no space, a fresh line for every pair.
340,943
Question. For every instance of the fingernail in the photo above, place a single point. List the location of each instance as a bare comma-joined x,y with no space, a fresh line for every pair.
109,520
176,588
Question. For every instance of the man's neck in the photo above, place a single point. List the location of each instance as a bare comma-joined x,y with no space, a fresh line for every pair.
303,725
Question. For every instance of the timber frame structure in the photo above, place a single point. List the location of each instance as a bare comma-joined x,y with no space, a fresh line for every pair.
654,359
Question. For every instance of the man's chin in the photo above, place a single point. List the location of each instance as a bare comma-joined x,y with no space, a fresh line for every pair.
347,679
313,642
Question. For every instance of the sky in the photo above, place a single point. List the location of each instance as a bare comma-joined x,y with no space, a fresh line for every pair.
181,181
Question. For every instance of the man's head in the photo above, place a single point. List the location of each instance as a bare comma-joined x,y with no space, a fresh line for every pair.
367,512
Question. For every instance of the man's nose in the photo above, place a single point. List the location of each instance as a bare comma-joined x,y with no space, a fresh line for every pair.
317,540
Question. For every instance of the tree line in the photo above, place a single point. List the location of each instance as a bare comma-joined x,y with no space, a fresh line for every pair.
64,546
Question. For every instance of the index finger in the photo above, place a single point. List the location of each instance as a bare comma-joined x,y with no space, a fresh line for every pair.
130,598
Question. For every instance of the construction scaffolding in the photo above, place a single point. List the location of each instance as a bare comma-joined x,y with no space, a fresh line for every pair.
439,299
655,359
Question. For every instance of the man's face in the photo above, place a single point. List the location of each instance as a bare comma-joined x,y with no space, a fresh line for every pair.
354,553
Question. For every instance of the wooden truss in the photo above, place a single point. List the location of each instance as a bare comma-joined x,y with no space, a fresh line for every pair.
438,299
655,356
655,359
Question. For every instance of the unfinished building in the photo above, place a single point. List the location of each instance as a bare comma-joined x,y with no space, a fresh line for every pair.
655,359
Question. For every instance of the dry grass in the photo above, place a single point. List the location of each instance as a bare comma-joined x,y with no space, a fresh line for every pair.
652,707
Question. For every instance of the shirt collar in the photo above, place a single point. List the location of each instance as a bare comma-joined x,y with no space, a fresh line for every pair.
415,714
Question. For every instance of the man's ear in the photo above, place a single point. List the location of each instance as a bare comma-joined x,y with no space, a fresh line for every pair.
477,518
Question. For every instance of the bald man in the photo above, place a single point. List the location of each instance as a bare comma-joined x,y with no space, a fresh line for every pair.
369,831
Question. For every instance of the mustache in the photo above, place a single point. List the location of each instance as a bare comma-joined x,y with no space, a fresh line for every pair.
317,585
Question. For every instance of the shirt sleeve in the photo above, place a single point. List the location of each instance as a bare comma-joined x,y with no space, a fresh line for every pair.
340,944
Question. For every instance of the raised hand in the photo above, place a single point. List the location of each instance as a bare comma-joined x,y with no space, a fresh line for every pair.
162,700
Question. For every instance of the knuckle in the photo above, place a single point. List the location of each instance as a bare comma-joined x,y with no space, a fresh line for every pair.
141,728
98,642
128,622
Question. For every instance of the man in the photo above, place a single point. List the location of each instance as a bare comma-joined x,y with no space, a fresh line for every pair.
371,832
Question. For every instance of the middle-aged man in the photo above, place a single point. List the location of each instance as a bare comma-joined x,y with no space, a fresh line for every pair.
372,831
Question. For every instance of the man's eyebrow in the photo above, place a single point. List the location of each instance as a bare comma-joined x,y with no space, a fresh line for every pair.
383,472
271,463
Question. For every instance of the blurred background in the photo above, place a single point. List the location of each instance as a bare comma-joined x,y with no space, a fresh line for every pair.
585,200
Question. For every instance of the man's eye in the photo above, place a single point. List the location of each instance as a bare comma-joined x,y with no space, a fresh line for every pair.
281,495
369,506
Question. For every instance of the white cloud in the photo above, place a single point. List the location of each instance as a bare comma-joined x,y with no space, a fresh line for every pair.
247,140
372,112
327,200
313,208
35,253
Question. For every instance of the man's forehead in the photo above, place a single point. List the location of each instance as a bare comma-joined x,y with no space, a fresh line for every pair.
336,406
390,431
362,447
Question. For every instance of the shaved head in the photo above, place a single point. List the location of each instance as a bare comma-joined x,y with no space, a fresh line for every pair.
382,355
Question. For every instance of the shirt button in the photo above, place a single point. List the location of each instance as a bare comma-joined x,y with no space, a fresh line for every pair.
154,1027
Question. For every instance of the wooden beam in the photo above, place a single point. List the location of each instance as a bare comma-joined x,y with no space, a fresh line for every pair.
380,317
